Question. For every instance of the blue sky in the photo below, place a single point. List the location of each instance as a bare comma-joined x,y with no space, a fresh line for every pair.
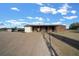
20,14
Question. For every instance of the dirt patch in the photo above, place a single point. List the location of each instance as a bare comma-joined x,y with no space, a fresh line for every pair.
22,44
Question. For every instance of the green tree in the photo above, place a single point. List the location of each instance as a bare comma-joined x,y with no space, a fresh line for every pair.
14,29
74,26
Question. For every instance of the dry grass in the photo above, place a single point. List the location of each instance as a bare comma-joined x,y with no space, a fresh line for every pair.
64,48
69,34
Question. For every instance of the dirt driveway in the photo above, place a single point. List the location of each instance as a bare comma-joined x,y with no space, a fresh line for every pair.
22,44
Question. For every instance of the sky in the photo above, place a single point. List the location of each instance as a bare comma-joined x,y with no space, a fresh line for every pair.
20,14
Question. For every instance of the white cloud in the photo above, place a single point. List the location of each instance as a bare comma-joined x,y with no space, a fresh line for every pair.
66,6
57,23
46,23
29,17
0,22
36,18
53,11
61,19
73,11
21,19
15,9
40,23
45,9
39,18
2,25
15,22
70,17
48,10
48,19
37,23
64,9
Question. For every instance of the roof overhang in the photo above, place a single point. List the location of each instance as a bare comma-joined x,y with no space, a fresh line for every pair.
42,25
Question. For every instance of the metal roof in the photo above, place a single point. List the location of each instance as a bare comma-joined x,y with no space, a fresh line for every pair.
43,25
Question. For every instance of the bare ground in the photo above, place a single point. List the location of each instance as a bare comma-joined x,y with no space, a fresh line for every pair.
22,44
62,46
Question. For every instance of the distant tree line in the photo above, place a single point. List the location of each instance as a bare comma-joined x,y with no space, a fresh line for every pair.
74,26
15,29
3,29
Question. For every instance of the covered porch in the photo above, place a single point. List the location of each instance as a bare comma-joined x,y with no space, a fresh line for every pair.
43,28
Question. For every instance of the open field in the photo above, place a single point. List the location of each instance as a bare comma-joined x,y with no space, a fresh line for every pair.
22,44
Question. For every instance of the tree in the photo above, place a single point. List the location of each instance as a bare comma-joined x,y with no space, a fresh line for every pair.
14,29
74,26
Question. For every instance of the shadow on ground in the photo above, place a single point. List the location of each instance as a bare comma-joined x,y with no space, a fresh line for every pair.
69,41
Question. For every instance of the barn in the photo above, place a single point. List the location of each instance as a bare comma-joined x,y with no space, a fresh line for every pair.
45,28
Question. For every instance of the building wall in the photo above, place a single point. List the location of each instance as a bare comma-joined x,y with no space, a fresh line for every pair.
60,28
28,29
9,30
